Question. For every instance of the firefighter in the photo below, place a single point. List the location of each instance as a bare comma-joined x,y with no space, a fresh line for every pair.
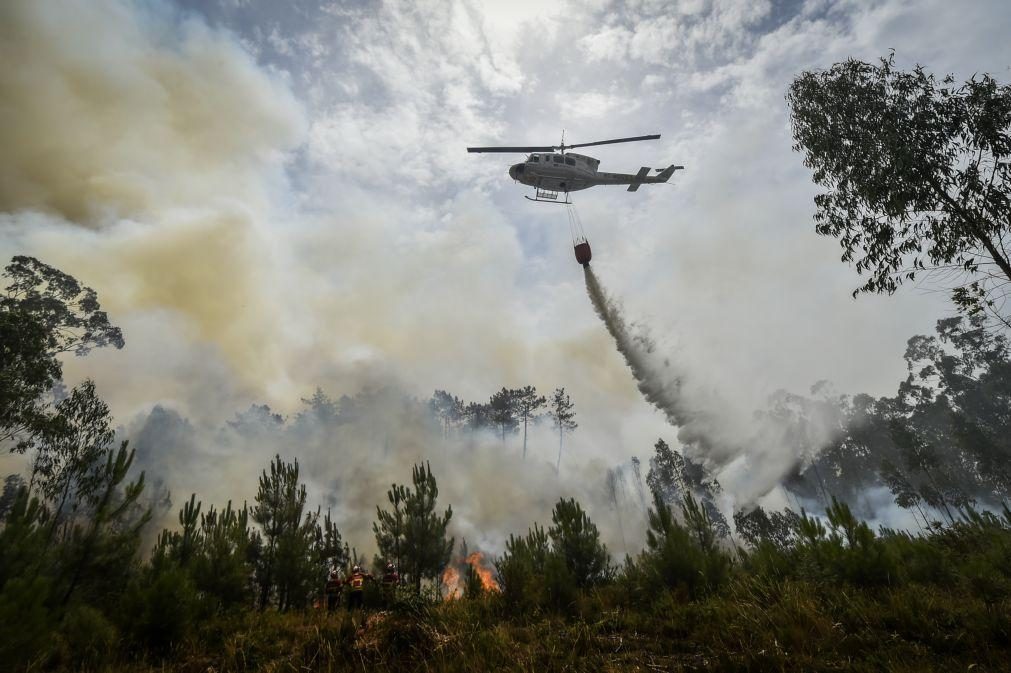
333,589
356,585
390,581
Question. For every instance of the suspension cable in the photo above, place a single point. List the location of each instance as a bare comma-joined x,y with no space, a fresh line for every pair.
575,225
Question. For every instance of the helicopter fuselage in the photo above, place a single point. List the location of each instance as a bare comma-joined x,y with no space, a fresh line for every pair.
570,172
557,172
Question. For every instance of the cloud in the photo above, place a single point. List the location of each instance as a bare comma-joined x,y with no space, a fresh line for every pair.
435,75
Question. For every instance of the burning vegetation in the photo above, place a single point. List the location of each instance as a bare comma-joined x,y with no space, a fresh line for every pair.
469,576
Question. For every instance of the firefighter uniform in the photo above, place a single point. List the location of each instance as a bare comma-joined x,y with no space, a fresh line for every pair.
333,590
356,587
391,578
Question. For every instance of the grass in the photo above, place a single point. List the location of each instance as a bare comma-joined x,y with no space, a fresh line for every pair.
786,626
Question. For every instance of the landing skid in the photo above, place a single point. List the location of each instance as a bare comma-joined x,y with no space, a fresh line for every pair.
545,196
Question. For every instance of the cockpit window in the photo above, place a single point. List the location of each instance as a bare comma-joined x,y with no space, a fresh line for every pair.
534,158
571,162
557,159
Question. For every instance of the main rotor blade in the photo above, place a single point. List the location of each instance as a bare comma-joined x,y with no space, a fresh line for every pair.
511,149
616,140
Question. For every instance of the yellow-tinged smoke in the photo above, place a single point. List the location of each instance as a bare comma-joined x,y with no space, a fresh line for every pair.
107,113
140,154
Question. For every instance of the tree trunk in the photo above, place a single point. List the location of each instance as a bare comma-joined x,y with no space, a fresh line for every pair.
524,438
824,491
940,494
971,222
97,520
558,463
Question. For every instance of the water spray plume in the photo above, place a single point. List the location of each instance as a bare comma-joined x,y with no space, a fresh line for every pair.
662,389
746,454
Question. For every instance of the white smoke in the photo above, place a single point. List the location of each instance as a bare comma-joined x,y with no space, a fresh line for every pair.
349,462
749,457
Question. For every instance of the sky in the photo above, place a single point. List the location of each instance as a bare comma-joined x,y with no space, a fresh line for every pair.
274,196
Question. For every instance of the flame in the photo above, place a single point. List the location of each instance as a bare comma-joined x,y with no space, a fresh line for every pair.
480,566
451,582
452,576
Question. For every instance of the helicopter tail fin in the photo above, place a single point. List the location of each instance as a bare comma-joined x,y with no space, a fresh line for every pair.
639,178
665,174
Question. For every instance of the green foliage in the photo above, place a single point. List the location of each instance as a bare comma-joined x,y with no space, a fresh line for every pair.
391,526
943,442
68,310
680,556
521,568
216,554
848,550
915,169
286,567
560,411
160,609
528,406
413,533
26,619
503,409
87,638
43,312
549,568
559,583
448,409
677,478
757,526
109,540
27,372
576,540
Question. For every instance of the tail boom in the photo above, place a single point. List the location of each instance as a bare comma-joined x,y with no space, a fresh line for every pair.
635,181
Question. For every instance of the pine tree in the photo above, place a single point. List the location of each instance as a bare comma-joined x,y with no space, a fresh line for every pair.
503,409
562,416
676,477
449,410
528,403
476,416
414,533
282,564
391,527
221,569
472,586
577,541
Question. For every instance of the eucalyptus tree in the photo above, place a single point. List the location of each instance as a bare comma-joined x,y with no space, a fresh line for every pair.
917,175
44,312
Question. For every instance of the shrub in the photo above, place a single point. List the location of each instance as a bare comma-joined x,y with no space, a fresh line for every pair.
87,638
847,551
683,556
577,541
160,609
25,621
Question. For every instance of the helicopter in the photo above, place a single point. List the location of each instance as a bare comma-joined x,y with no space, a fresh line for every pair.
551,173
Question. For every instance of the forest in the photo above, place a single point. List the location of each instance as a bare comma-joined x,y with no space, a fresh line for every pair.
104,567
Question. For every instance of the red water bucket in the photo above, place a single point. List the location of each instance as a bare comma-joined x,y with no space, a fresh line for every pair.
583,254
